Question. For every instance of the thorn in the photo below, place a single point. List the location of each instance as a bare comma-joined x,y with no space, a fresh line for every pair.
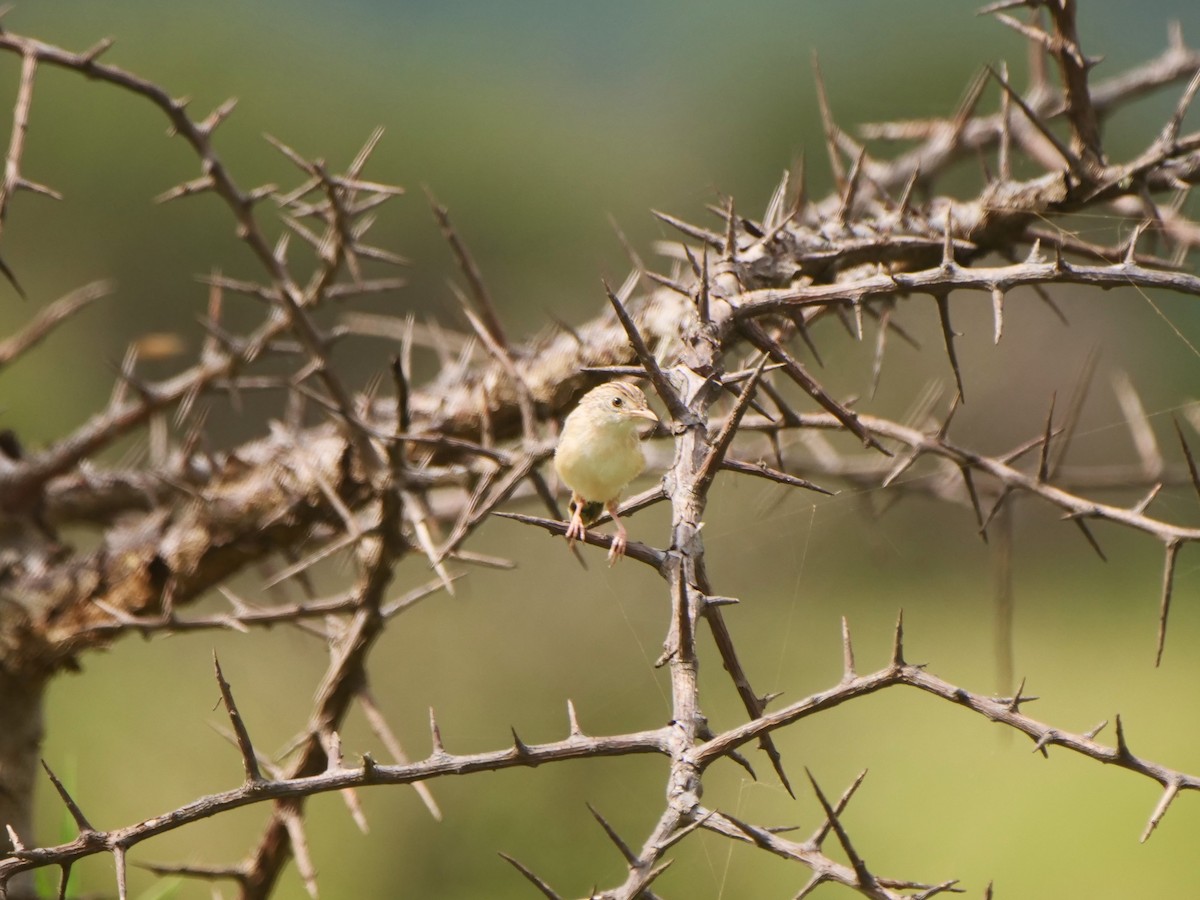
379,725
1004,151
865,879
832,132
720,444
966,108
785,412
368,766
730,232
765,343
1091,538
1142,505
1187,454
1005,492
295,158
944,428
34,187
847,652
906,194
721,601
118,853
773,218
948,239
811,885
902,465
969,482
657,278
634,259
12,279
1090,735
762,470
1168,582
1138,423
439,749
630,856
1168,140
821,833
1049,737
1075,409
1175,36
691,258
948,334
848,195
997,312
1122,747
680,833
217,116
1014,705
97,49
655,872
797,319
575,730
880,345
533,879
1172,789
801,187
187,189
898,643
249,759
81,822
466,263
519,747
294,825
843,316
1044,453
666,392
708,237
1071,160
1130,257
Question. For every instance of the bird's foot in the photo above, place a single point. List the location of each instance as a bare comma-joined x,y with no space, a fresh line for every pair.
617,550
619,541
575,528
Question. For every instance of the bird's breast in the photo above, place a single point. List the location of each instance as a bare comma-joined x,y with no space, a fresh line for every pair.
597,463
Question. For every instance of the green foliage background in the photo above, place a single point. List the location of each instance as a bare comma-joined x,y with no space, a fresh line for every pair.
534,121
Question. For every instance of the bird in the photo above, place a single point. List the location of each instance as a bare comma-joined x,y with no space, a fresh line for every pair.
598,453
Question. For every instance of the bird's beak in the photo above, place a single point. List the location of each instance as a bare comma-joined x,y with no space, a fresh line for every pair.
649,416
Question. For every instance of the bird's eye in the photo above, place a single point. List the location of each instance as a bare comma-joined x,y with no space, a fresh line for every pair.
617,401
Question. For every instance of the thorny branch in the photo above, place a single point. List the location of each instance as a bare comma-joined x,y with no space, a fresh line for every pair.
579,745
421,470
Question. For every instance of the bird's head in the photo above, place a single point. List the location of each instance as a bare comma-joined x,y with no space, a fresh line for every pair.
618,404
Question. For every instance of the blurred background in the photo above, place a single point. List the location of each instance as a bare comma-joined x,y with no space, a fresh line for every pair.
538,123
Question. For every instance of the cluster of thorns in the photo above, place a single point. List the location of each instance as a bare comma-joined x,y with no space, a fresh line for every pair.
418,472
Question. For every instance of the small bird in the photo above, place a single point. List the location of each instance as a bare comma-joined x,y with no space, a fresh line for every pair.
598,454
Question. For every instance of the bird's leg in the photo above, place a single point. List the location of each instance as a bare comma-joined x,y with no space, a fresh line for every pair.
617,550
575,528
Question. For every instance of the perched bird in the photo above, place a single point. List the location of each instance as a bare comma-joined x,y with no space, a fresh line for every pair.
598,454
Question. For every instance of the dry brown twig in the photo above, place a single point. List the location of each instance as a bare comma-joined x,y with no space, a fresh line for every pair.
421,470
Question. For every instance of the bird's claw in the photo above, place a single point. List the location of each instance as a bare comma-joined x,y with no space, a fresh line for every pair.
617,550
575,529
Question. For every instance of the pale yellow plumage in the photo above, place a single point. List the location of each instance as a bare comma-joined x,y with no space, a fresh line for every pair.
599,453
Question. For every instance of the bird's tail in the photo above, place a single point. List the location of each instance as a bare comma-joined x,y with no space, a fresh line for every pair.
591,511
